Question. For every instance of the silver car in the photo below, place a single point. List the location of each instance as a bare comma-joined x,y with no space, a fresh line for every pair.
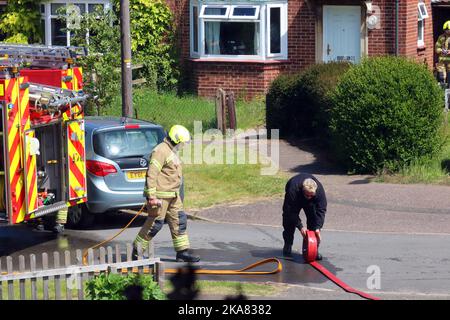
117,153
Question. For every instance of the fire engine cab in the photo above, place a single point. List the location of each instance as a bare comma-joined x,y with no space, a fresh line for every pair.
42,147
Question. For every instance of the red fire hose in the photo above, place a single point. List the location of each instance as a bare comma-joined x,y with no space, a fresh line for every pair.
310,255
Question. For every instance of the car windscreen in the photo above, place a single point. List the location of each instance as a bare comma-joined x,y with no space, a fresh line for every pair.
126,143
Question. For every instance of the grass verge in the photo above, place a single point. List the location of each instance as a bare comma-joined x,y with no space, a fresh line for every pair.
168,109
234,288
205,287
207,185
429,170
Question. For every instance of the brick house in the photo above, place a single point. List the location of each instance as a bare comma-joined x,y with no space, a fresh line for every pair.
242,45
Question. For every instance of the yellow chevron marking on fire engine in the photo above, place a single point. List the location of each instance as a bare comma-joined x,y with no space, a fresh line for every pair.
75,111
22,102
12,135
83,200
74,183
63,83
32,198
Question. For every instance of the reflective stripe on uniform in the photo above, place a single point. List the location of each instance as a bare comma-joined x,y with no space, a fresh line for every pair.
144,243
166,194
156,164
150,192
61,216
169,158
181,242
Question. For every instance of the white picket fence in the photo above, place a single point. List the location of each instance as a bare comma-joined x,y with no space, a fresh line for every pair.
70,273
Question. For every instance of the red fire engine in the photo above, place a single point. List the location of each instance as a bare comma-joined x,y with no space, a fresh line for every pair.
42,158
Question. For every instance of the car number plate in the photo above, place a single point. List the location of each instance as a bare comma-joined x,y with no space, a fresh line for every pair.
136,175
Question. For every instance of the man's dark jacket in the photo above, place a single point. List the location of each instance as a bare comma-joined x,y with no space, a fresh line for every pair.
294,201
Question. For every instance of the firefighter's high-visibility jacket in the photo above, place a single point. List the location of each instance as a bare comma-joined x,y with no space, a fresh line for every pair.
163,178
443,43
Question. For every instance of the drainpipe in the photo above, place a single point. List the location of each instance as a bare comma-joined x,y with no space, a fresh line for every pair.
397,10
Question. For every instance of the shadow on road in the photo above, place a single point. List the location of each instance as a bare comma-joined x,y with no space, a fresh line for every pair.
323,162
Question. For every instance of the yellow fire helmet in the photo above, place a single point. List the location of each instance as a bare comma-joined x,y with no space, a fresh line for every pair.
447,25
179,134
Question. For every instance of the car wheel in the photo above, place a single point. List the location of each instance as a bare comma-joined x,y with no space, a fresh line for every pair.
79,217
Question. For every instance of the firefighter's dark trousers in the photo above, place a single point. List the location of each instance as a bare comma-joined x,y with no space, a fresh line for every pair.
171,211
291,221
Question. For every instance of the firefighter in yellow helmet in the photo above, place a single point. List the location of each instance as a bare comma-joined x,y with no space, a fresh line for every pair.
443,52
162,191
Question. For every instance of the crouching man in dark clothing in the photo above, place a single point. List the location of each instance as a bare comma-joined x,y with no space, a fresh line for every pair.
305,192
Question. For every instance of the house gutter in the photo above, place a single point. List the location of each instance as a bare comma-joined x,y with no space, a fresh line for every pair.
397,10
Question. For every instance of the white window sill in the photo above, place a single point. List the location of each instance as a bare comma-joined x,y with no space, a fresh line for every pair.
228,60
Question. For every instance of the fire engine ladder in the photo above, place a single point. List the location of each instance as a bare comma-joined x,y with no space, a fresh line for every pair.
54,99
38,56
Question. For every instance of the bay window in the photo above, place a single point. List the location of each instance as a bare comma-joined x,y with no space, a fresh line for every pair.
251,29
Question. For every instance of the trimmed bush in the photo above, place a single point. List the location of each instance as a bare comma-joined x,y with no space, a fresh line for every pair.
299,104
280,100
387,112
314,91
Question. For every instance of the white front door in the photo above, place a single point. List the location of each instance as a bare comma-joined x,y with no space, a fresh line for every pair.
342,33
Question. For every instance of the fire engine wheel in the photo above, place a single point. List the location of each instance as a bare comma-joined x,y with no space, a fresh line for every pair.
79,217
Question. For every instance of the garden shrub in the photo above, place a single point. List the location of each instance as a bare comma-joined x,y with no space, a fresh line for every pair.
112,286
313,105
279,101
153,42
387,112
299,104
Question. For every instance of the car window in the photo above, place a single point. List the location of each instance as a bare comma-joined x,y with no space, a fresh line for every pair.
126,143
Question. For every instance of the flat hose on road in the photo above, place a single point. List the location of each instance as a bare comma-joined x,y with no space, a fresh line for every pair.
310,249
243,271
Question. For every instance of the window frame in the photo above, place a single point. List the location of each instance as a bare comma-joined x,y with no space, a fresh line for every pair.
48,16
262,20
194,53
420,6
421,25
421,33
217,6
283,31
254,17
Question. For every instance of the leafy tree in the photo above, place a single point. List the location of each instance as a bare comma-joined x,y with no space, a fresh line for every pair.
101,68
153,42
20,23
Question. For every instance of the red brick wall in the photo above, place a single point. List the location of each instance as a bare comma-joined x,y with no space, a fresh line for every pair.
246,79
382,40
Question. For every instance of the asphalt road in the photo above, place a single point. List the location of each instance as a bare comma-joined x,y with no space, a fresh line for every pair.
411,266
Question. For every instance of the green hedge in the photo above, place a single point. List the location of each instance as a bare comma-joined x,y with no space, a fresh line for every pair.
387,112
299,104
314,98
279,103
